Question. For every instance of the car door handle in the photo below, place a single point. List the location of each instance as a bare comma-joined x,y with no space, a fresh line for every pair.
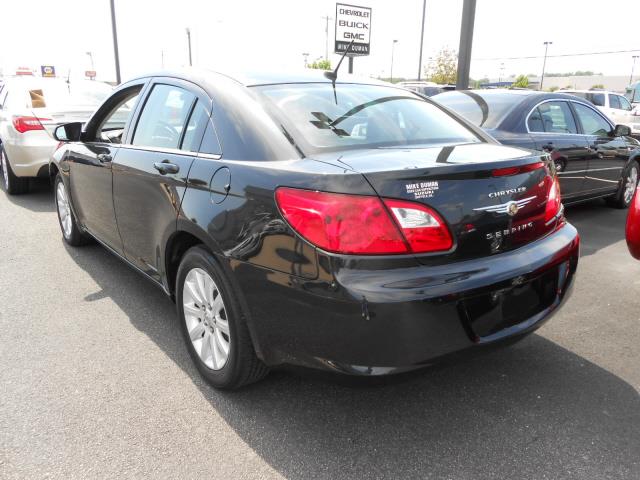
165,167
104,158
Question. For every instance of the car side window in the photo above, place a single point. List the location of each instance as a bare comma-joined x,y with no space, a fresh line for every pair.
624,103
534,123
614,101
195,127
112,126
596,98
210,142
163,117
553,117
592,122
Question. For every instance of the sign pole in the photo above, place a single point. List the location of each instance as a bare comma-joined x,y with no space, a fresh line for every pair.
466,42
115,42
350,64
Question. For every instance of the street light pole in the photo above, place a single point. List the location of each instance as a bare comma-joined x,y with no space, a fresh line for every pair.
393,47
114,31
189,43
424,8
544,63
326,35
633,66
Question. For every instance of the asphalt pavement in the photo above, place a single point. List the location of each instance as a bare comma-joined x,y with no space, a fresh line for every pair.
95,382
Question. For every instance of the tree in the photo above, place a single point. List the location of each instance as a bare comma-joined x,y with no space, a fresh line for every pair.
553,89
521,82
444,69
597,85
321,65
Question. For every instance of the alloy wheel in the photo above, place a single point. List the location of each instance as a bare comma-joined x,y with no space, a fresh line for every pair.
206,318
631,183
64,211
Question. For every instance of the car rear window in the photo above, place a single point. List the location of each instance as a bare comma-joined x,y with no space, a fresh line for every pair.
54,93
359,116
486,109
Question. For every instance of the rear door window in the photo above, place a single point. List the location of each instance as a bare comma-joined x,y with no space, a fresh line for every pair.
552,117
164,117
614,101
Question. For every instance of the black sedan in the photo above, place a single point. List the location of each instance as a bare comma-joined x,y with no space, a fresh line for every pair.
346,225
594,158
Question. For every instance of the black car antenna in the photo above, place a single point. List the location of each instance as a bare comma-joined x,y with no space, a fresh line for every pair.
333,75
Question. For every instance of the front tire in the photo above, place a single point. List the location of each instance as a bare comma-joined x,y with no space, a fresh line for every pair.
13,185
628,185
71,233
213,323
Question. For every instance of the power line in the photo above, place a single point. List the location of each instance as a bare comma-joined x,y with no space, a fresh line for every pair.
559,55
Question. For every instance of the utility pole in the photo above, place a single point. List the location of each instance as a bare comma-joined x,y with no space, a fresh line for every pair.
424,8
633,66
466,42
393,47
544,62
114,31
326,34
189,43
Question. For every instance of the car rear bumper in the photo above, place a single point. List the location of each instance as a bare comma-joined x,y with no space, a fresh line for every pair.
378,322
28,157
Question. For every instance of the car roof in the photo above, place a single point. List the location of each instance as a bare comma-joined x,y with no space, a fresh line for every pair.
570,90
252,78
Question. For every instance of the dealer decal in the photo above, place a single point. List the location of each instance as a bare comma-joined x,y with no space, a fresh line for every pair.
422,189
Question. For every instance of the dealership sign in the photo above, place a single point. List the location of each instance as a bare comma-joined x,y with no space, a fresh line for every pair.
48,70
353,24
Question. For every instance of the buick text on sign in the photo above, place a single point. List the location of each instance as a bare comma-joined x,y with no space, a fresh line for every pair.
352,24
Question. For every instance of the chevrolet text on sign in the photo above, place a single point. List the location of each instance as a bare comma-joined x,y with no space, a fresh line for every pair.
352,24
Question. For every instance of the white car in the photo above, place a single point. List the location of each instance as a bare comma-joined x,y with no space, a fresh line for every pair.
614,105
30,110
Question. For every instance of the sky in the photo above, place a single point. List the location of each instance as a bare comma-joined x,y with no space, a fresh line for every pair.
273,34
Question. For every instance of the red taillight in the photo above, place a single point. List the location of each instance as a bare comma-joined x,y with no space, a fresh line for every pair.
553,200
503,172
362,225
25,124
423,228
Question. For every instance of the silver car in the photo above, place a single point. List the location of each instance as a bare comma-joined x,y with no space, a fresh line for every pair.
30,110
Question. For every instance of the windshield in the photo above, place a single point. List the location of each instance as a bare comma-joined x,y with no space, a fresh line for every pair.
359,116
59,95
486,109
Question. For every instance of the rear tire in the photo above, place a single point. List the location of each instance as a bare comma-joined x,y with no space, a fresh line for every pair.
71,233
13,185
213,323
628,185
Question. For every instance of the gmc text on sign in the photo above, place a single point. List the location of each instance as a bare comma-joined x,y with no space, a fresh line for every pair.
352,24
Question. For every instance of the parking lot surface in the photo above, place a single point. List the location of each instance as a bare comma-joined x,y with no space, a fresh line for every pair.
95,382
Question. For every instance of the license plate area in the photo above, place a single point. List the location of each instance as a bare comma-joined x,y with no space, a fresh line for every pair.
489,313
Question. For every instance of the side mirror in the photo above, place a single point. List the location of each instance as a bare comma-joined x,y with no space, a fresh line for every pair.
621,131
69,132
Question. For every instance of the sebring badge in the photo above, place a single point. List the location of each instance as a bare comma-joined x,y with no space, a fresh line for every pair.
511,207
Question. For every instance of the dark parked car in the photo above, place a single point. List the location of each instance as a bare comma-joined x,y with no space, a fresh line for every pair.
351,226
593,157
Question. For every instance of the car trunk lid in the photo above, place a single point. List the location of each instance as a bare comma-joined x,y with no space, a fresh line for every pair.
493,198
